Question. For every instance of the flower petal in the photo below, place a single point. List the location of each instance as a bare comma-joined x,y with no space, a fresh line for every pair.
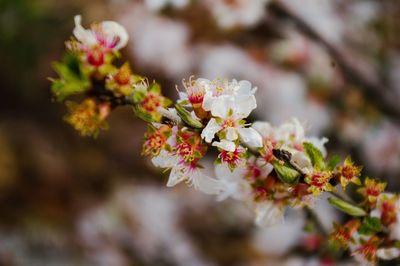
388,253
115,33
231,133
264,128
243,105
232,182
225,145
300,159
205,183
267,214
165,160
177,175
246,88
87,37
250,136
222,105
208,101
210,130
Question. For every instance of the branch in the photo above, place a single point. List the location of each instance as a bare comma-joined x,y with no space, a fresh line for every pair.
374,92
101,93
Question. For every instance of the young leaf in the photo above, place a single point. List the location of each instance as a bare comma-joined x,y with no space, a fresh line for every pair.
286,173
370,225
187,117
347,207
333,162
315,155
155,87
143,115
71,79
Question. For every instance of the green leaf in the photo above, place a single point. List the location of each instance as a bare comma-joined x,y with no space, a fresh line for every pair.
333,162
286,173
143,115
155,87
138,96
315,155
370,225
347,207
187,117
72,79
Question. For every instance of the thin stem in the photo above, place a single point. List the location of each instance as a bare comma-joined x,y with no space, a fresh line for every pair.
374,92
100,92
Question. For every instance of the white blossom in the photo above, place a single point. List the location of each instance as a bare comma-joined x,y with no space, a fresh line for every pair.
394,228
268,213
184,171
156,5
228,114
388,253
237,13
108,34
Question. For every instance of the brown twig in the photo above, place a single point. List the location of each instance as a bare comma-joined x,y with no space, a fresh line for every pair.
374,92
101,93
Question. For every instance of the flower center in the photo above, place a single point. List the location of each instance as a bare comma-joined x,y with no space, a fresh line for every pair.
185,150
123,76
104,40
373,191
196,97
368,250
319,180
229,123
154,144
151,102
95,57
388,212
231,158
348,172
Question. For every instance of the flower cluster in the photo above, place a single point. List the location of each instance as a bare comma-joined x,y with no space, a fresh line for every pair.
376,234
88,69
270,168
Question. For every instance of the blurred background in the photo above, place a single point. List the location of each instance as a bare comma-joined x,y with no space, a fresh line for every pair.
68,200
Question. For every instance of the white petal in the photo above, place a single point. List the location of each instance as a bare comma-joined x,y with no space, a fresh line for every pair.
264,128
221,106
266,168
319,143
250,136
395,229
112,30
376,213
301,159
231,133
205,183
243,105
86,37
232,182
245,87
388,253
229,190
210,130
267,214
183,96
172,139
223,172
225,145
165,160
291,131
208,101
177,175
170,113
